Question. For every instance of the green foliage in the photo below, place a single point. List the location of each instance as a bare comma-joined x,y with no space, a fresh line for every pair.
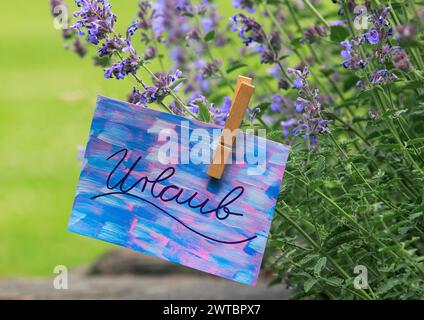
358,205
356,199
338,33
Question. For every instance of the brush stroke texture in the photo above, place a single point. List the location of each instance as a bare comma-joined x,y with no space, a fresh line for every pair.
169,230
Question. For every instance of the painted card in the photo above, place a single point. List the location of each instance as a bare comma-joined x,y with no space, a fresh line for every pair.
144,186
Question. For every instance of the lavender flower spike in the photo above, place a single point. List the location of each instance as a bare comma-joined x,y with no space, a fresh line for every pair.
372,36
248,5
96,17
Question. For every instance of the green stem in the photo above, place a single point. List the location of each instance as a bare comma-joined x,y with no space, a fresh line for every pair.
360,175
388,96
379,102
138,80
171,92
316,13
362,229
317,248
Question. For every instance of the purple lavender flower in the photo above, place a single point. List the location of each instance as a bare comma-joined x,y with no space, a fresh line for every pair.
277,101
385,53
210,20
68,33
176,108
253,114
275,41
184,7
132,29
135,97
401,61
361,85
283,84
298,82
248,5
302,104
149,53
96,18
198,79
254,37
351,54
79,48
193,103
249,30
406,32
267,57
310,127
308,104
220,115
337,23
192,36
163,84
288,125
210,69
372,36
269,52
144,15
381,25
382,76
165,81
347,47
313,34
421,13
109,47
301,74
120,69
178,57
168,21
144,21
153,94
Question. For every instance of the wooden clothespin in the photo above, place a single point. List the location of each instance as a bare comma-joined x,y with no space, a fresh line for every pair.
239,104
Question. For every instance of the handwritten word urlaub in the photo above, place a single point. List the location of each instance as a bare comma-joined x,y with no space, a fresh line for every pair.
152,186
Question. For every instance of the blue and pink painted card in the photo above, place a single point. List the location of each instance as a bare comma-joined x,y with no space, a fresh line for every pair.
174,210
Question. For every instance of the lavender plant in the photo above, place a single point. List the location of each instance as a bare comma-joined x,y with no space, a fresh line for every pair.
348,98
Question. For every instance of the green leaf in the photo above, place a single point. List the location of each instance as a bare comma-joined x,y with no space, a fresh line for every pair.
204,114
415,141
389,146
309,284
235,65
338,33
262,106
273,2
350,82
102,61
188,14
210,36
307,259
296,43
413,84
319,167
320,265
335,281
202,12
176,83
276,135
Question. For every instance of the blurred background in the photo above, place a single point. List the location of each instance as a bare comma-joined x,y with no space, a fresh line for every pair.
47,95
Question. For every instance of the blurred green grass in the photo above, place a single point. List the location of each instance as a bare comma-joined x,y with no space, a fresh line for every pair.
47,98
